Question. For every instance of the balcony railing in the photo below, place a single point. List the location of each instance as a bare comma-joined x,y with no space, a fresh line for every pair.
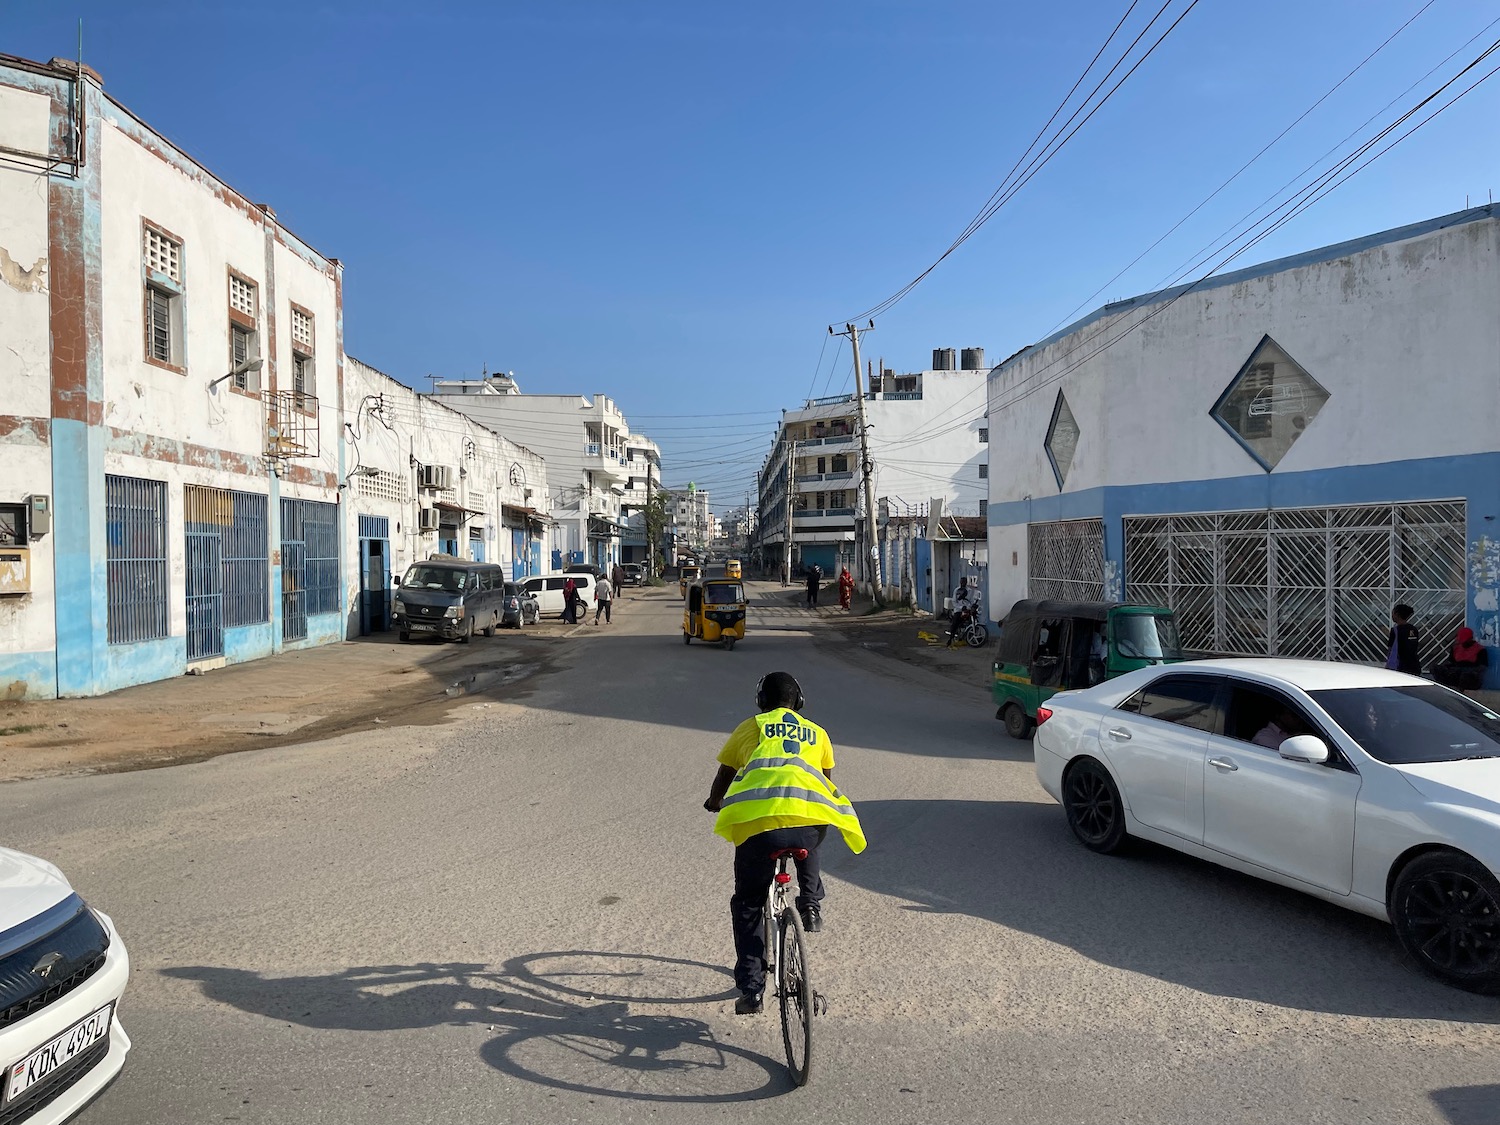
826,439
813,478
818,513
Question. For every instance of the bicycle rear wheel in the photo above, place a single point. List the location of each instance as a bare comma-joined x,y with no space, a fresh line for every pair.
796,995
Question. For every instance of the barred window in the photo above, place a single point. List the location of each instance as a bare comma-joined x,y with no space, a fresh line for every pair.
136,558
161,255
238,521
159,334
314,528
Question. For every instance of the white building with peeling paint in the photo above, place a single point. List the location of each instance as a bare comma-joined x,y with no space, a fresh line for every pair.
191,474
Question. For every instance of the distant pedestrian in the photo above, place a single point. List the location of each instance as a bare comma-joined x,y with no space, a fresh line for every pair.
1404,643
846,588
570,602
813,575
604,596
1466,664
617,577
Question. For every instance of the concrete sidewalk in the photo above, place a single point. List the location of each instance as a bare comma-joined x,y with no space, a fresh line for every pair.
296,697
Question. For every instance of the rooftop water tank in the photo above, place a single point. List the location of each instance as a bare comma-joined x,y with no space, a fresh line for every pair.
973,359
943,359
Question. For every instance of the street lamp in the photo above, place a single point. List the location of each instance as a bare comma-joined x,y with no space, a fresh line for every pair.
238,369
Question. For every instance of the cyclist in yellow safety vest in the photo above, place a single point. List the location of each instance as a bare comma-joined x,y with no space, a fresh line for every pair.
774,790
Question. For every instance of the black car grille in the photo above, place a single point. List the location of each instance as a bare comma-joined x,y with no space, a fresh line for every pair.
80,946
55,1085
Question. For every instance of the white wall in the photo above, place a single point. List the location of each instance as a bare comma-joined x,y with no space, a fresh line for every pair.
27,622
1404,336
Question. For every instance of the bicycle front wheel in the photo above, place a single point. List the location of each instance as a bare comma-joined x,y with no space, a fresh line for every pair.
796,995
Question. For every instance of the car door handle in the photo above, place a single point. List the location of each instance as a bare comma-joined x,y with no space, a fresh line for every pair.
1225,764
1120,734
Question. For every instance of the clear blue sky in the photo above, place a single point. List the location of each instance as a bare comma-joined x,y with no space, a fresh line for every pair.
668,202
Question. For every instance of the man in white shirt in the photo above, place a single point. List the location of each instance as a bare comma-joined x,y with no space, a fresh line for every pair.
604,596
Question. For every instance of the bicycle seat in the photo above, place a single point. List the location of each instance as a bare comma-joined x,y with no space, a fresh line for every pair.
798,854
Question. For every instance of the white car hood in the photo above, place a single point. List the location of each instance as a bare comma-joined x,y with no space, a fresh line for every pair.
28,886
1478,780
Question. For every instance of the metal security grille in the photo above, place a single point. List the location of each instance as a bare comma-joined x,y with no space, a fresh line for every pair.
228,565
374,527
163,255
1303,582
309,563
160,330
136,558
1065,559
382,485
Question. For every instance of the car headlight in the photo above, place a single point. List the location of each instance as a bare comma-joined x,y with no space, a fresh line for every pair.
398,606
454,611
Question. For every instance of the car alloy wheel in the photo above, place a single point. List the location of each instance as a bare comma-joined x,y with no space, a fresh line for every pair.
1092,801
1445,907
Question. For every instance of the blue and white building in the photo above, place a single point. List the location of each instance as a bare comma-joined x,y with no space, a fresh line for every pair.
1280,454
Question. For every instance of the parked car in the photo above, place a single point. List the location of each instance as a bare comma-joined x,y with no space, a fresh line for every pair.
520,606
585,568
1373,790
635,574
449,597
548,589
63,968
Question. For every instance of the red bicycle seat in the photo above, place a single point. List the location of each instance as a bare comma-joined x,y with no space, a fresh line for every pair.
798,854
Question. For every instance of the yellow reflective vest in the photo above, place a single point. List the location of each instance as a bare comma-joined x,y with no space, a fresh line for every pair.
783,785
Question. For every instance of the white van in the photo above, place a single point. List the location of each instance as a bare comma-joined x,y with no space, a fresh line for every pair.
548,589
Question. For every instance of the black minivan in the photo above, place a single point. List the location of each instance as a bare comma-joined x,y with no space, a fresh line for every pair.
451,598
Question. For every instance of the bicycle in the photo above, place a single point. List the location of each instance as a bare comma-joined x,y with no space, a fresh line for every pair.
786,967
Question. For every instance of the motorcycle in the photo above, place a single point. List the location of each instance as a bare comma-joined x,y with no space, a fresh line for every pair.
965,626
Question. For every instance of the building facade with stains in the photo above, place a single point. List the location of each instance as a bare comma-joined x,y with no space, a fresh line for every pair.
1280,454
422,480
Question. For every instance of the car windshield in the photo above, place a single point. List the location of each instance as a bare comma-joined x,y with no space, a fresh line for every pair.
1422,723
723,593
435,578
1146,636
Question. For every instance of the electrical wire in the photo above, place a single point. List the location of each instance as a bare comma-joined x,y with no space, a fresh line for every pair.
1067,318
1307,196
1008,191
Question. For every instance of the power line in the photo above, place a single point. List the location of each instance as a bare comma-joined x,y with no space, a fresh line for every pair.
1008,190
1322,185
1067,318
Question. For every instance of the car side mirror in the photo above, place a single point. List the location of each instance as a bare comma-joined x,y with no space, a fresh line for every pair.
1305,748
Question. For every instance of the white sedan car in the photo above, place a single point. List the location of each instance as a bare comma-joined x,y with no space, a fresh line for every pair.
1371,789
62,970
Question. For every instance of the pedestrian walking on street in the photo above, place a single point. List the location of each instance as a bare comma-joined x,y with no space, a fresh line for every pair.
604,596
570,602
846,588
617,577
1404,643
813,577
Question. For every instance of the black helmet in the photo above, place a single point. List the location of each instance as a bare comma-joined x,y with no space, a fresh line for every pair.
775,689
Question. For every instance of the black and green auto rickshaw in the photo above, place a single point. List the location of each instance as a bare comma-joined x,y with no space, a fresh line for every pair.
1050,646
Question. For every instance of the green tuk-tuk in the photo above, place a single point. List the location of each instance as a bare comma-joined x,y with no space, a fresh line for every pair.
1050,646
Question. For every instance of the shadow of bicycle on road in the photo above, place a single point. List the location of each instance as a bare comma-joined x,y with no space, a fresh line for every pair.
567,1020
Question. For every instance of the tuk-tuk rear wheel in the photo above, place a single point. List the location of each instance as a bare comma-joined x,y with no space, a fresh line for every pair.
1017,725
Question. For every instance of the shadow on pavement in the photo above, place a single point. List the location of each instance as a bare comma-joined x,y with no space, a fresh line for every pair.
1469,1105
1152,911
566,1020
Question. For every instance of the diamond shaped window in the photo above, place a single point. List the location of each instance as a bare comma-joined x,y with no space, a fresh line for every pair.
1270,403
1062,439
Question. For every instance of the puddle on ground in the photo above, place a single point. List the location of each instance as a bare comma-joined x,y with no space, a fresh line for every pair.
487,679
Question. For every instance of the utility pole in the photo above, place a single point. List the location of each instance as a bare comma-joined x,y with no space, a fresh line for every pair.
864,454
791,480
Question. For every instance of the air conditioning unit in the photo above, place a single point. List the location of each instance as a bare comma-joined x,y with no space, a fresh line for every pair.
436,476
430,519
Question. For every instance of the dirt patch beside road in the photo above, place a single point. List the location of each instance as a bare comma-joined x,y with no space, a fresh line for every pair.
293,698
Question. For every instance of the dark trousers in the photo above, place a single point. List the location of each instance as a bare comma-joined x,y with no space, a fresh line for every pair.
753,868
603,608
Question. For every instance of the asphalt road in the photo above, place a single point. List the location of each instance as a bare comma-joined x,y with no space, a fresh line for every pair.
521,915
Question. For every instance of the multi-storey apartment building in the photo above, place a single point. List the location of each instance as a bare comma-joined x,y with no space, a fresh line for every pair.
927,440
585,444
643,461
